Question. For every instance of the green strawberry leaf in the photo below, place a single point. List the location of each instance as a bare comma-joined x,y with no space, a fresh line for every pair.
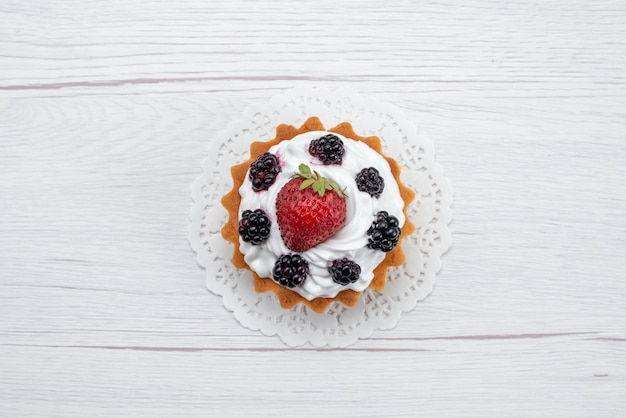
318,183
304,169
319,188
306,183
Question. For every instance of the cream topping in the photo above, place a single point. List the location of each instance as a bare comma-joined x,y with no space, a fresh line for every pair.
350,241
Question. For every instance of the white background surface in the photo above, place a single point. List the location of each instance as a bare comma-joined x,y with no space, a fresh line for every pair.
106,110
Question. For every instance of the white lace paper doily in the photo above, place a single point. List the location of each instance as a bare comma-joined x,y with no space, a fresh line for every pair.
339,326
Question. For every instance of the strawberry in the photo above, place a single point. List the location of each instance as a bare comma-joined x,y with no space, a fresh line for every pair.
309,209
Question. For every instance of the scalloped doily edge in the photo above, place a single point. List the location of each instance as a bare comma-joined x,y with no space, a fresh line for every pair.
196,214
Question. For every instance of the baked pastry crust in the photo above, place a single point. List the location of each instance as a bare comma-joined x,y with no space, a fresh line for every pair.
232,200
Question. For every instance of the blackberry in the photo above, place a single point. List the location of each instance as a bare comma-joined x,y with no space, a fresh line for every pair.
263,171
344,271
328,149
290,270
254,226
369,181
384,232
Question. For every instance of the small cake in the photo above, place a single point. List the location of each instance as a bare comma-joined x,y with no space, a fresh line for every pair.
317,215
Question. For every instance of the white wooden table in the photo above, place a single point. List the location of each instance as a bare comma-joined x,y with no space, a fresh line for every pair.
106,110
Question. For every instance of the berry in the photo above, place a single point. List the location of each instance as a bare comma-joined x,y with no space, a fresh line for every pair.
344,271
370,182
384,232
254,226
328,149
263,171
309,210
290,270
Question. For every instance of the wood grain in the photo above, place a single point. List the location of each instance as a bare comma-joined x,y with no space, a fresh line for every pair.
107,109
